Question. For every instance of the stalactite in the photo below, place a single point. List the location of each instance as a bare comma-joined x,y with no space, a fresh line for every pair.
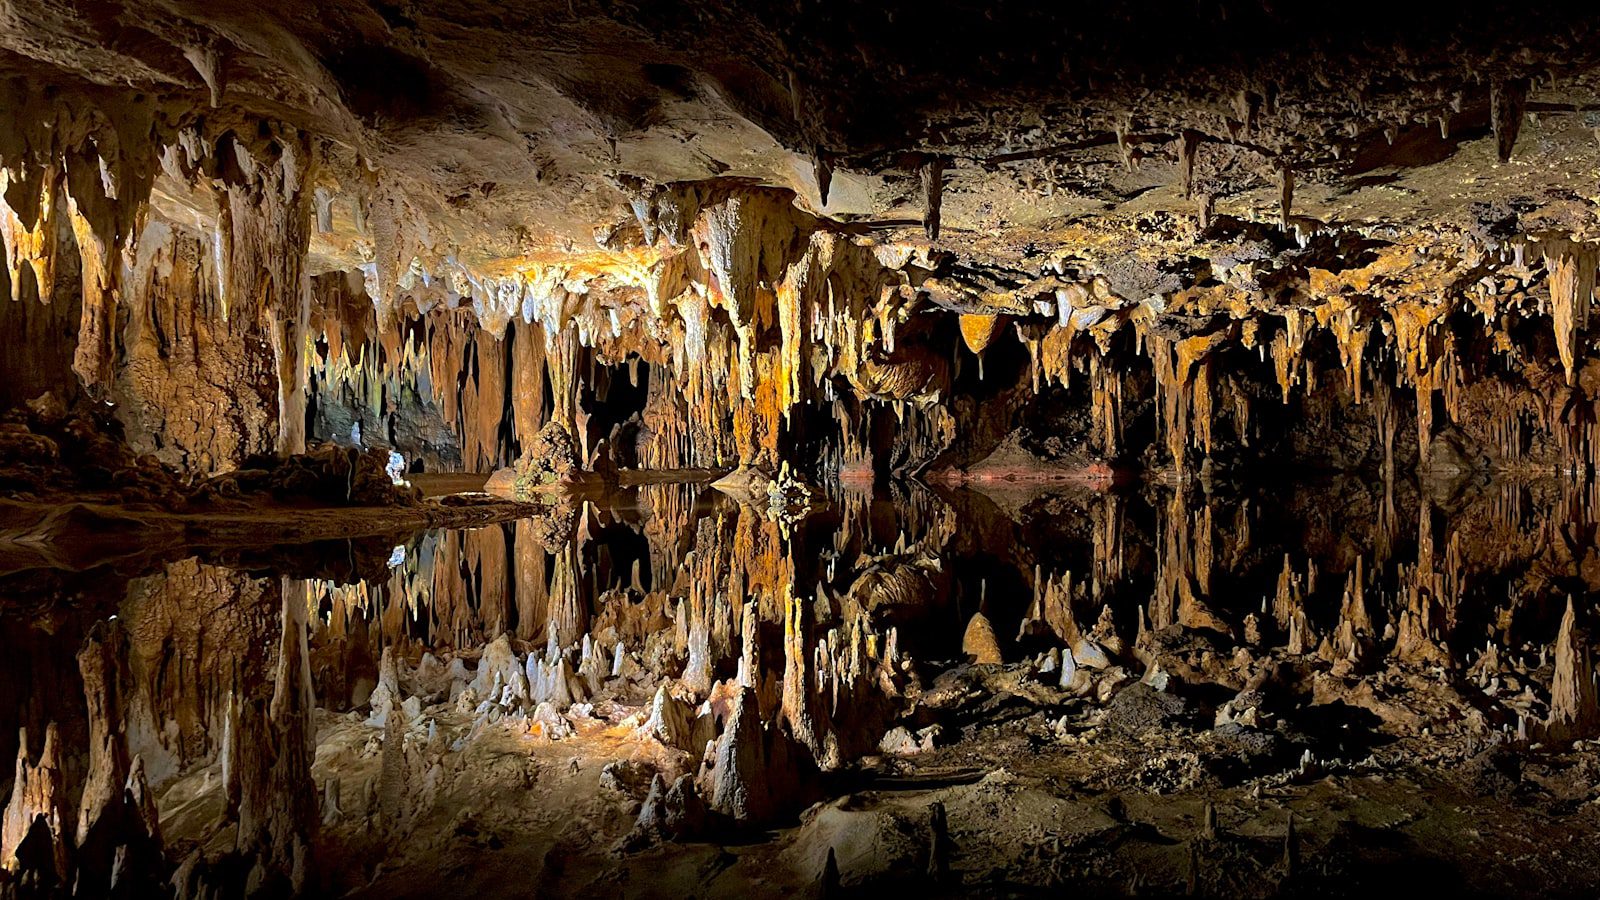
823,168
1188,149
1572,281
1285,194
1507,101
932,195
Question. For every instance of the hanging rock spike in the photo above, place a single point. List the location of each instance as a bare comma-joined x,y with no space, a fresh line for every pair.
1507,102
1188,147
932,195
824,171
1285,193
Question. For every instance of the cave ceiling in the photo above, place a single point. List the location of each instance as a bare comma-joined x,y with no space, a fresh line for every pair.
516,132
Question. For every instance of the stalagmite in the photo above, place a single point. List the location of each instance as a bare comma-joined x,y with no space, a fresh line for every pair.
670,721
386,695
1123,130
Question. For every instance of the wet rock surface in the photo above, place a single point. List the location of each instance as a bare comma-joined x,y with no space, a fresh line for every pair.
464,717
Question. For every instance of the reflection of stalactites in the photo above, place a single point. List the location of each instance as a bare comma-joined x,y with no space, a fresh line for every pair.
569,614
1574,709
531,583
839,688
1107,514
278,803
37,808
1427,601
1183,568
752,669
119,839
102,664
1053,599
798,709
1355,625
1288,608
484,552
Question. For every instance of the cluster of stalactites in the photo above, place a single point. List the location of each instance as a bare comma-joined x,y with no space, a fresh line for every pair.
1409,336
97,166
746,307
93,164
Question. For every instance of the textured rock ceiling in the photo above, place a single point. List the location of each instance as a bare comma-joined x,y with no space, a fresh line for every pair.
779,207
508,129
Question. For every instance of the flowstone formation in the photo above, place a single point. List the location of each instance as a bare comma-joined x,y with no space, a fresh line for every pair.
732,447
